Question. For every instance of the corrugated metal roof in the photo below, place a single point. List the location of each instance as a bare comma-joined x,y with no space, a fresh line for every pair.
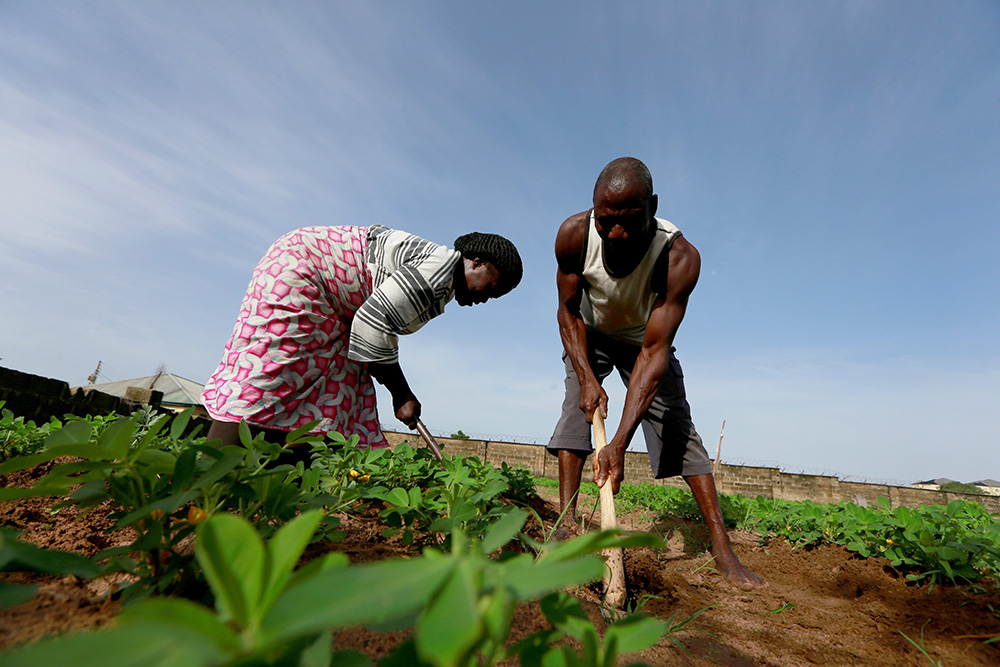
176,390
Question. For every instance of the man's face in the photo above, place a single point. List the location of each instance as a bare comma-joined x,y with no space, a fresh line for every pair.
623,219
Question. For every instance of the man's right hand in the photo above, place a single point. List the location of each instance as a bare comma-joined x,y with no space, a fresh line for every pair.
609,466
593,395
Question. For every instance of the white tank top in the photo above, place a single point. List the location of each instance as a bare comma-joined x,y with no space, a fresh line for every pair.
619,307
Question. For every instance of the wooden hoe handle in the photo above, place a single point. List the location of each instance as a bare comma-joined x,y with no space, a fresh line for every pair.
429,439
614,574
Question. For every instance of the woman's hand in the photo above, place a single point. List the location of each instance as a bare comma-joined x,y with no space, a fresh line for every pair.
408,411
404,404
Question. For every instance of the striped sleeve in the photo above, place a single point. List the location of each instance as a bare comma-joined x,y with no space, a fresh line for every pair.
403,301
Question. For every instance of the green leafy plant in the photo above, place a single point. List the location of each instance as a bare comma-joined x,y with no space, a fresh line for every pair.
962,487
568,619
959,542
162,482
19,437
459,603
419,494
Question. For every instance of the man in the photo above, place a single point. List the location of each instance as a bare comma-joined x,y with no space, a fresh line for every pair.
624,278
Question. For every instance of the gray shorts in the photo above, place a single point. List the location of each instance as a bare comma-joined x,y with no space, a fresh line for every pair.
673,444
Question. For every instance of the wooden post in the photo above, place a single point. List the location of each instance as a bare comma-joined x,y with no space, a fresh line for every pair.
718,450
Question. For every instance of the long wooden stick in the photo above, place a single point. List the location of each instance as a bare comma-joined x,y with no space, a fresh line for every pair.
718,450
614,574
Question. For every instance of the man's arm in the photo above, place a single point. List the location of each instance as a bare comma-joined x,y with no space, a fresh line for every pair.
678,277
570,283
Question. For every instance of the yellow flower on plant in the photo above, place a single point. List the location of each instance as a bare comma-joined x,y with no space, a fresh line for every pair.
196,514
364,478
354,474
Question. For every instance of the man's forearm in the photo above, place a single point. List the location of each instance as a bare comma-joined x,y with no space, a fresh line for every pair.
574,340
643,384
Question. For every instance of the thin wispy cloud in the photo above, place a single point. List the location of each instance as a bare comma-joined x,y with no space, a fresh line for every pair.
835,165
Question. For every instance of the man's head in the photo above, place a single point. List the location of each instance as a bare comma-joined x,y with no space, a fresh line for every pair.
624,205
490,267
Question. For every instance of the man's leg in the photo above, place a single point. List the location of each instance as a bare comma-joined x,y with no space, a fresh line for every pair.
703,488
571,464
676,448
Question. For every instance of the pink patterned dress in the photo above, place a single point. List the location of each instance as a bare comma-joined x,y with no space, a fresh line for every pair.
286,363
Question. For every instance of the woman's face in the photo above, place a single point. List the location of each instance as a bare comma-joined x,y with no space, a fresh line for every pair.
478,282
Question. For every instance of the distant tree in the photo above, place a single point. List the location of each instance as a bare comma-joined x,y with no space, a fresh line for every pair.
459,435
962,487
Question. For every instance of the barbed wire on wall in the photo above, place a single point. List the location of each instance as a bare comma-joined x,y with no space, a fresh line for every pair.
742,462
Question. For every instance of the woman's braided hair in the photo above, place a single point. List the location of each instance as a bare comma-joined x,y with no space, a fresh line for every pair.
496,250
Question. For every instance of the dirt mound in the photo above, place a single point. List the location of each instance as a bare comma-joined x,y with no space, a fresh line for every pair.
824,606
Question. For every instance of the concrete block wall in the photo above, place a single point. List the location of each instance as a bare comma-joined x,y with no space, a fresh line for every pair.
747,481
39,398
750,481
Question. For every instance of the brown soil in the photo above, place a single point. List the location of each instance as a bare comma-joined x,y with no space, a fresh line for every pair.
823,607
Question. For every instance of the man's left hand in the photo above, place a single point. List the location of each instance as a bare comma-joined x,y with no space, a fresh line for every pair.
609,465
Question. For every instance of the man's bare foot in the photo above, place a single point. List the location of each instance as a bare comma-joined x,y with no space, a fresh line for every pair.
732,569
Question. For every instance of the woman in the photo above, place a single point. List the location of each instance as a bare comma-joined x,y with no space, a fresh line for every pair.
321,317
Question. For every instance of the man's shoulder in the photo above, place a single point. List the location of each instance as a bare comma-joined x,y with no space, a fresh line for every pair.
681,259
571,240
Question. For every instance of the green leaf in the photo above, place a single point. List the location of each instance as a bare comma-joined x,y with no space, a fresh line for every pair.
635,633
504,530
532,579
405,655
158,462
244,431
566,615
56,562
293,437
180,423
116,438
19,463
184,468
354,595
168,505
283,553
220,468
18,492
160,614
124,647
12,595
398,497
449,627
537,650
76,432
231,554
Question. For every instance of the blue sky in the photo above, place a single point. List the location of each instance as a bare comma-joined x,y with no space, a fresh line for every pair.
837,165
